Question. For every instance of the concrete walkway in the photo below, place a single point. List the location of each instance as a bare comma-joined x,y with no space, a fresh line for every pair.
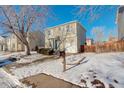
47,81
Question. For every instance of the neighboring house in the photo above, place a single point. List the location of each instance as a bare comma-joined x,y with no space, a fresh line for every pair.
68,36
89,42
3,45
14,44
35,38
120,22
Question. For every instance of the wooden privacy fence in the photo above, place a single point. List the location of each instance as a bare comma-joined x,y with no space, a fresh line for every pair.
117,46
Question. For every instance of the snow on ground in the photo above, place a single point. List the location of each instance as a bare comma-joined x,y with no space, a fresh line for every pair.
5,55
106,67
21,57
8,81
31,58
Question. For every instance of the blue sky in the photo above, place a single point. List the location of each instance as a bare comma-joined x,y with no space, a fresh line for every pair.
107,20
65,13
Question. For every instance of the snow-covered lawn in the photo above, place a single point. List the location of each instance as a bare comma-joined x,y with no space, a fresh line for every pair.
5,55
8,81
31,58
104,69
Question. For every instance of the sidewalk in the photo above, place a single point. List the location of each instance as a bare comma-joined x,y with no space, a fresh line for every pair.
47,81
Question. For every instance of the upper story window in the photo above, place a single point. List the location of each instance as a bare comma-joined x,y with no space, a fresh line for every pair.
49,33
62,28
59,28
71,28
67,28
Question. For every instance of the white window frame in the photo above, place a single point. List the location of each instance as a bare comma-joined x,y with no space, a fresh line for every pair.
49,32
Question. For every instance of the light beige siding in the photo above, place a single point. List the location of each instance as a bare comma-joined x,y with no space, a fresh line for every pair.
68,35
13,44
35,38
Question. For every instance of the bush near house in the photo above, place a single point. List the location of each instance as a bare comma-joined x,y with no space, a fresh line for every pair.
117,46
46,51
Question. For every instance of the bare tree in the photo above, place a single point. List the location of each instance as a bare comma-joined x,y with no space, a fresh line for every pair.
19,20
62,41
98,32
91,13
64,37
61,38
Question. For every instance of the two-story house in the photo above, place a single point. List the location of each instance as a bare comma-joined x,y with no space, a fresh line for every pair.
14,44
35,38
3,45
68,36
